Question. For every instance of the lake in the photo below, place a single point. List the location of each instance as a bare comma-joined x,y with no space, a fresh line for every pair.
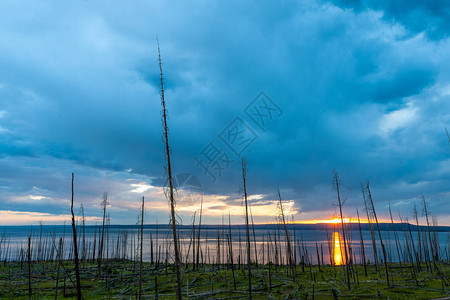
311,243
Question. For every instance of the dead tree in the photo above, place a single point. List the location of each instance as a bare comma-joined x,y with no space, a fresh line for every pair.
426,213
142,247
168,168
230,248
83,228
198,234
254,236
58,267
30,293
363,253
372,234
419,260
247,229
374,214
340,203
75,249
397,241
288,240
104,203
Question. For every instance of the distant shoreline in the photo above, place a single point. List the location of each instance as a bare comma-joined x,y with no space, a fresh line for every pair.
317,226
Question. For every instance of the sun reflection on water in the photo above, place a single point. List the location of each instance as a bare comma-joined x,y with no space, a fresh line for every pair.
337,249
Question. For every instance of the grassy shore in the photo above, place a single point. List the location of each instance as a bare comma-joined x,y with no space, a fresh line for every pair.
120,279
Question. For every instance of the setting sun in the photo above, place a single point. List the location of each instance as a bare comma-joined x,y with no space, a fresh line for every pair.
337,221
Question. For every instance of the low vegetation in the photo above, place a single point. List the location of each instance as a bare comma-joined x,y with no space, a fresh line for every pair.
120,279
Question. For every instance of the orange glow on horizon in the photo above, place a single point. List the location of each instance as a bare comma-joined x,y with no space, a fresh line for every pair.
330,221
336,221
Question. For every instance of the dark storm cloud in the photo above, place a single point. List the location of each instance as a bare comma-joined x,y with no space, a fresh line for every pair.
362,91
431,17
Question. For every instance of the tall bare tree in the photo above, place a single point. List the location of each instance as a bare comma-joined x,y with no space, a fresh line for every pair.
75,248
427,214
247,229
340,203
142,247
372,234
104,203
374,214
83,232
168,168
363,253
419,242
30,293
198,234
286,232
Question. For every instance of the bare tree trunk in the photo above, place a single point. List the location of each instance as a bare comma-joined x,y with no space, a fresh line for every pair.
426,213
30,293
254,236
142,249
288,240
169,175
83,244
249,265
57,269
198,234
104,203
192,242
230,243
419,261
363,253
410,253
396,239
75,249
369,195
372,234
336,182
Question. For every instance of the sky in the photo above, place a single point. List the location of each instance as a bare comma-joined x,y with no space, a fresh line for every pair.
298,88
